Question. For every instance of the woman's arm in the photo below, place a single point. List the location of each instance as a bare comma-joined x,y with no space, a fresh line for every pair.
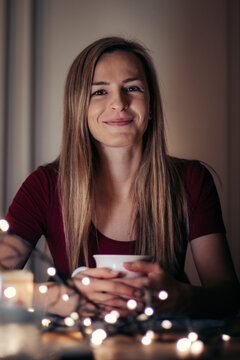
219,294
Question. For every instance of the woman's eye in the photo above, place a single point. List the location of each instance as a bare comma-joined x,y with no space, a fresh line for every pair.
134,88
99,92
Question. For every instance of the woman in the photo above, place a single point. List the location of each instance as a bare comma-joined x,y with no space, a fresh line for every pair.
114,189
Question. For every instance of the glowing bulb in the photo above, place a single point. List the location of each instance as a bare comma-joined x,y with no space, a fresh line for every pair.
226,337
86,281
197,347
68,321
183,345
131,304
193,336
142,317
166,324
87,322
110,318
30,309
46,322
43,289
98,336
149,311
150,334
163,295
4,226
51,271
10,292
65,297
115,313
146,340
74,315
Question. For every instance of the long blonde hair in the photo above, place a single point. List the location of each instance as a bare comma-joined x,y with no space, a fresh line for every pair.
161,213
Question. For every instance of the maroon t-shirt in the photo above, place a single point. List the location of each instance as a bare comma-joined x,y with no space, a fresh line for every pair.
36,211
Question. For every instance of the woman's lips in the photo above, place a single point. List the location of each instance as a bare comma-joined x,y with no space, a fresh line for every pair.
119,122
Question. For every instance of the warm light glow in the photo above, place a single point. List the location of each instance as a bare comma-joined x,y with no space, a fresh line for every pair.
149,311
87,322
183,345
74,315
68,321
98,336
46,322
115,313
51,271
4,226
226,337
110,318
163,295
43,289
166,324
193,336
150,334
10,292
86,281
131,304
146,340
30,309
65,297
142,317
197,347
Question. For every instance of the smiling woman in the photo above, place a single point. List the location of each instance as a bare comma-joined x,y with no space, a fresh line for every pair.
115,190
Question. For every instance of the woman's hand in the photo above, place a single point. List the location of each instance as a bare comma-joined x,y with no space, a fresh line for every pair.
159,280
104,291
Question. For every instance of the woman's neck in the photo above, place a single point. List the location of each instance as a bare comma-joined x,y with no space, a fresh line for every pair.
117,171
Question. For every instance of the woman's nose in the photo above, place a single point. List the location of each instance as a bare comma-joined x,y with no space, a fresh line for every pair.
119,101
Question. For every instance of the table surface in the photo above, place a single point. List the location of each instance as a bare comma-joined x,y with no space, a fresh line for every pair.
71,345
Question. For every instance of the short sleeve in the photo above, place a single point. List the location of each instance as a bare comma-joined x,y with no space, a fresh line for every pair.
205,215
27,215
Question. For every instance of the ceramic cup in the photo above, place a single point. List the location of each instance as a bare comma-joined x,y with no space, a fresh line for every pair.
115,262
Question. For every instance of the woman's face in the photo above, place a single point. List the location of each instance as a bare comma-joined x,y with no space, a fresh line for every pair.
118,112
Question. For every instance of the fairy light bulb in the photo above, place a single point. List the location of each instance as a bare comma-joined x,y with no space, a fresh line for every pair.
51,271
226,337
131,304
193,336
110,318
74,315
4,226
68,321
43,289
197,347
10,292
166,324
65,297
146,340
86,281
87,322
98,336
163,295
46,322
149,311
183,345
150,334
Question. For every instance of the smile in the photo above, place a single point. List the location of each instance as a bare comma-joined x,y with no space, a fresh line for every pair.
119,122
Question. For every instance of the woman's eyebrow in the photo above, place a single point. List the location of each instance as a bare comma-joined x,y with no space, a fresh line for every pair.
100,83
131,79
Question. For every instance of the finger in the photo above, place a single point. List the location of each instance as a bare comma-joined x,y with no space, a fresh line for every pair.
143,267
105,273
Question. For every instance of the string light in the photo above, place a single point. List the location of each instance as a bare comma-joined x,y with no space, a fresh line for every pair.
166,324
68,321
98,336
163,295
146,340
183,345
51,271
192,336
4,226
43,289
150,334
197,347
74,315
149,311
65,297
87,322
30,309
10,292
110,318
226,337
131,304
86,281
46,322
